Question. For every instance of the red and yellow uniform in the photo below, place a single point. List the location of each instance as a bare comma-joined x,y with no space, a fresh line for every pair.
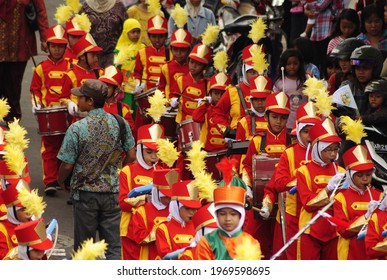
70,56
374,238
244,130
126,113
168,78
8,239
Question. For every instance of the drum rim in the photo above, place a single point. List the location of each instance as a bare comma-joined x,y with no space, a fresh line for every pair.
144,94
50,109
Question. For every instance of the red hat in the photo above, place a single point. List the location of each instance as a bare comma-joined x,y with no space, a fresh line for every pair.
279,103
157,25
181,38
219,81
324,131
229,195
10,193
148,135
358,158
163,179
84,45
205,217
201,53
72,28
260,86
56,34
12,176
247,53
112,75
307,113
186,193
33,234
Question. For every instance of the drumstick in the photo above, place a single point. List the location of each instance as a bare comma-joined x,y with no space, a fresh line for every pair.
256,209
188,97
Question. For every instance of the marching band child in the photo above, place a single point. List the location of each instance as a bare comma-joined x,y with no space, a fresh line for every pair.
46,90
136,174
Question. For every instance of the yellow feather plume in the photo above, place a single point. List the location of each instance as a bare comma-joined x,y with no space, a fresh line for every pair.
74,4
90,250
324,102
354,129
312,86
157,105
248,250
4,108
206,186
180,16
220,61
123,56
210,34
167,152
154,7
16,135
259,60
63,13
33,203
196,158
83,21
258,29
14,158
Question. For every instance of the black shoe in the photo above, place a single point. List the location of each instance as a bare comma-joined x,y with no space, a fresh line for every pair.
50,189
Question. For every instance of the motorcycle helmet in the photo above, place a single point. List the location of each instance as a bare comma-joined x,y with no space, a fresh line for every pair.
379,86
368,55
345,48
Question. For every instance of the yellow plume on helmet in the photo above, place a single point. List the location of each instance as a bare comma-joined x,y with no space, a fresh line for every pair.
312,86
180,16
90,250
74,4
63,13
167,152
33,203
260,63
196,158
258,29
220,61
83,21
354,129
154,7
157,105
4,108
210,34
324,102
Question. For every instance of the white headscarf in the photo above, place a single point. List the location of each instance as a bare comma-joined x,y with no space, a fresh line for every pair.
140,157
22,252
101,6
255,111
174,207
316,152
245,68
237,208
299,127
11,215
156,195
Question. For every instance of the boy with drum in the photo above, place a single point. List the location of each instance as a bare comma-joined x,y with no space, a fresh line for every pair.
46,90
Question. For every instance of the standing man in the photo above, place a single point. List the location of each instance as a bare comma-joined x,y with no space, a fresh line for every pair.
17,45
92,151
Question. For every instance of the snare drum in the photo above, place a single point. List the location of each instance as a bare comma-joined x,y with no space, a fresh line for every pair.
188,132
53,120
168,121
211,160
142,99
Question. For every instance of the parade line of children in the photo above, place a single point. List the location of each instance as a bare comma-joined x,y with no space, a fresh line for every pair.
301,187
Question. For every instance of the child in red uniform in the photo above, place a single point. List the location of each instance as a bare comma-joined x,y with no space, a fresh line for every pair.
178,231
86,68
316,180
136,174
75,31
146,218
46,90
351,204
113,78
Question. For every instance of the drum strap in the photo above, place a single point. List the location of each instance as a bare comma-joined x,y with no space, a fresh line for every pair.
242,99
119,108
122,128
96,72
253,125
167,55
263,142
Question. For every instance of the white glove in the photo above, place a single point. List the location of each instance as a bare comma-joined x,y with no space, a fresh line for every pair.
332,184
372,205
265,212
139,88
383,204
72,107
174,102
158,82
204,99
36,107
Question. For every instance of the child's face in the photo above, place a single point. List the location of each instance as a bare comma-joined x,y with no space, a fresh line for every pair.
304,135
165,200
92,59
187,213
276,122
111,90
195,67
251,73
56,51
375,100
362,179
216,94
329,154
363,73
150,156
347,28
134,35
373,25
292,66
22,215
73,39
36,255
345,65
228,218
180,54
331,70
157,40
258,104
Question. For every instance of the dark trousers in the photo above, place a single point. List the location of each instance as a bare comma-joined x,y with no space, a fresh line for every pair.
11,77
320,52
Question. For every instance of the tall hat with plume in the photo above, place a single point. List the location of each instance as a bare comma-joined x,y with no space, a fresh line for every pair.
156,24
56,34
324,131
180,38
85,44
220,80
167,152
33,234
257,32
202,52
112,75
357,157
307,113
261,85
323,102
278,103
149,134
312,88
186,192
163,180
90,250
76,24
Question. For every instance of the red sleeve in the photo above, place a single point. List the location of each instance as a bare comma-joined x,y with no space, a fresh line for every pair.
332,84
125,188
247,162
128,117
162,245
137,229
240,132
162,80
138,67
373,237
339,211
282,174
222,110
3,246
67,86
199,114
305,193
36,86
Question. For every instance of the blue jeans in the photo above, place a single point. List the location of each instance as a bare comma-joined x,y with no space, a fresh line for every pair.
98,212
